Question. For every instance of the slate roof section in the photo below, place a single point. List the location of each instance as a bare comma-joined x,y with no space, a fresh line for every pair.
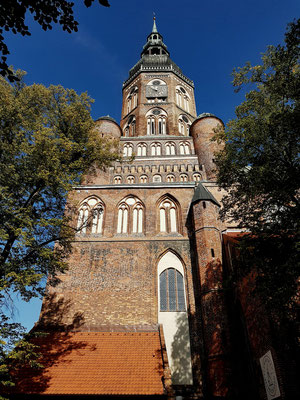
96,363
202,194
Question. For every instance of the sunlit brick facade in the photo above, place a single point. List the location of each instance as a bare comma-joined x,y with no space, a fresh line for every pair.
148,253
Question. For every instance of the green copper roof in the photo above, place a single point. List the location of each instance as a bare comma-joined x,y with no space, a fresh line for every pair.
202,194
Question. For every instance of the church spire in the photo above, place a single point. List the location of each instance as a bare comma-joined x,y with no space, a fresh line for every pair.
154,29
155,44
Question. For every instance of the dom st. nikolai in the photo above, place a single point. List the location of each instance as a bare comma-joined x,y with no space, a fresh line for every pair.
141,312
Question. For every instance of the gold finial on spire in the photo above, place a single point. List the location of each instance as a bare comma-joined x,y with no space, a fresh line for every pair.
154,29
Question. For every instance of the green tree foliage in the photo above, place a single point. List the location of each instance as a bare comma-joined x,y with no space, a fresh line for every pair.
259,169
47,143
45,12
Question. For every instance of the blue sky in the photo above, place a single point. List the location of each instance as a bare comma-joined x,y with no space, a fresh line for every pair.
206,39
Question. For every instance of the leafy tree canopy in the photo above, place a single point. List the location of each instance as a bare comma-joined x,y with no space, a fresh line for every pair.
259,169
46,144
259,166
45,12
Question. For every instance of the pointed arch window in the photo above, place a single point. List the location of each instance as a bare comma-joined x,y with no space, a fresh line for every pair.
130,216
168,216
184,148
90,216
127,150
170,148
129,129
156,122
141,149
182,98
117,180
171,290
132,99
184,125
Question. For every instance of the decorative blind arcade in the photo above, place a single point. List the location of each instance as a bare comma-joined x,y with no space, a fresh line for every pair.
171,290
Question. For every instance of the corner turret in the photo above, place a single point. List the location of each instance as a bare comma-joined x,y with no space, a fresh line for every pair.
108,127
203,130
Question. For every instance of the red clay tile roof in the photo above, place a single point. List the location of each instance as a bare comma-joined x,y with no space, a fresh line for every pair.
104,363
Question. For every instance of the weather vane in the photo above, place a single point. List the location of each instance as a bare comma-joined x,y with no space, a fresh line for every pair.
154,15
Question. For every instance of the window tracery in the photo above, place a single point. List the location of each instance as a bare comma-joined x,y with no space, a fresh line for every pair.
130,216
171,290
141,149
90,216
156,149
130,127
168,216
184,148
132,99
170,148
184,125
156,122
182,98
127,150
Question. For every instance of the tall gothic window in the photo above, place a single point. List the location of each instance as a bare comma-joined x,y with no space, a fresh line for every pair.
156,122
130,216
184,125
170,148
141,149
182,98
130,127
132,99
184,148
171,290
90,216
168,216
127,150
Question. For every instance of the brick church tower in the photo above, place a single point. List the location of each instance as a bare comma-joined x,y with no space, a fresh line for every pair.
145,273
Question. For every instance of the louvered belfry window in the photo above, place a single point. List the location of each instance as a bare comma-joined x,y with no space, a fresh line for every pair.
171,290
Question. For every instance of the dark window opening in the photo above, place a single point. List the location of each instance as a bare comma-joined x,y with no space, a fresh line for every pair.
204,204
155,51
171,290
212,252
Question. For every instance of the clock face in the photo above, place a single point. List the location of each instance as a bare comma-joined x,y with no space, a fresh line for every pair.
154,90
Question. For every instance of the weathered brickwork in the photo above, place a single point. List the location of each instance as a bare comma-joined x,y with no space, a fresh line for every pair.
115,283
141,216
